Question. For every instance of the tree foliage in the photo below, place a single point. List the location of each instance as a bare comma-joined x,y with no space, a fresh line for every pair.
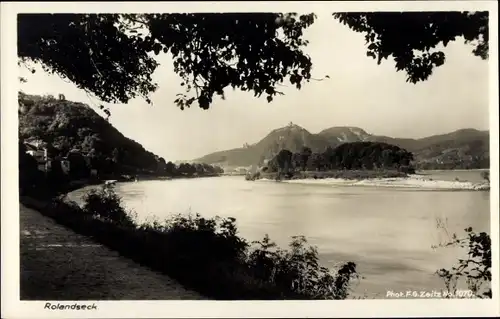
69,127
298,269
284,160
90,50
254,52
411,37
105,204
350,156
305,153
474,269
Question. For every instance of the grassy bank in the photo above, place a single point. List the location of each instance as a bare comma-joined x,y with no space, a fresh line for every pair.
205,255
340,174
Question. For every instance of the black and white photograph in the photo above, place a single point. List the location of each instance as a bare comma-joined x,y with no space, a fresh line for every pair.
222,152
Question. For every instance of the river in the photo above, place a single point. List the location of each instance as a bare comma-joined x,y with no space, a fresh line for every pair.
387,231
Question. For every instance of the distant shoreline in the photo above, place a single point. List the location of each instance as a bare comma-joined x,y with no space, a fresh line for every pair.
76,185
389,179
340,174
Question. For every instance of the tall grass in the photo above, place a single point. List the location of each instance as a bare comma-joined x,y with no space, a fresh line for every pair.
206,254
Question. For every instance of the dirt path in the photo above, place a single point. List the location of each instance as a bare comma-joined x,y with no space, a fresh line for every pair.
58,264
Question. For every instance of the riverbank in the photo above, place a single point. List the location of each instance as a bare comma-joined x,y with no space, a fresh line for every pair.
48,191
204,255
145,177
335,174
59,264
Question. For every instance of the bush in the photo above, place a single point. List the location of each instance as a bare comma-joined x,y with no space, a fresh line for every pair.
212,246
475,269
106,204
194,238
206,255
298,270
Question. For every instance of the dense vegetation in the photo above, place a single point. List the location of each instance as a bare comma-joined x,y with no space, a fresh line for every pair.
347,156
254,52
206,255
74,130
474,270
462,149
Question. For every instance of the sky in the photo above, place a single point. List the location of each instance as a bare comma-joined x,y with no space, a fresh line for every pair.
358,93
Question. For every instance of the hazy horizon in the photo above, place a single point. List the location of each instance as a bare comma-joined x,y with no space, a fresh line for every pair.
359,93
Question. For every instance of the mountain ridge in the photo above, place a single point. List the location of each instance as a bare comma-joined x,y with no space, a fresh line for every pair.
468,145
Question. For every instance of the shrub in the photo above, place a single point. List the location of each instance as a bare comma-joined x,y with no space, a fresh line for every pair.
298,270
196,238
212,246
475,269
104,203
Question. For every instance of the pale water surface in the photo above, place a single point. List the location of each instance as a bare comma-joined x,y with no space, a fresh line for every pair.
388,231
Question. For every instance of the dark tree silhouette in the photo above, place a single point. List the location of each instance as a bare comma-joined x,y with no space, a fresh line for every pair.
317,161
212,51
78,166
304,156
284,161
90,51
351,156
161,165
170,168
410,37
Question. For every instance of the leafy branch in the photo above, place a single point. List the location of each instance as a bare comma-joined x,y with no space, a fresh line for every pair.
475,269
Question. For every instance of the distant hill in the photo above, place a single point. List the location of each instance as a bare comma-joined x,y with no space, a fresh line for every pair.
466,148
70,126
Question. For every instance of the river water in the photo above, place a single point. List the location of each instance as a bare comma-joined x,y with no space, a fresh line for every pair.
387,231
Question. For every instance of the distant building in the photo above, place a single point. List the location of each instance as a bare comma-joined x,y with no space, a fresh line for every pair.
38,143
38,152
37,149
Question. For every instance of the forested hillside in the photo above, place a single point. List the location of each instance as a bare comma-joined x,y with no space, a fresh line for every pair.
72,129
71,126
467,148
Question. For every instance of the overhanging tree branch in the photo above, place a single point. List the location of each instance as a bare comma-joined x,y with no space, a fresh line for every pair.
254,52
